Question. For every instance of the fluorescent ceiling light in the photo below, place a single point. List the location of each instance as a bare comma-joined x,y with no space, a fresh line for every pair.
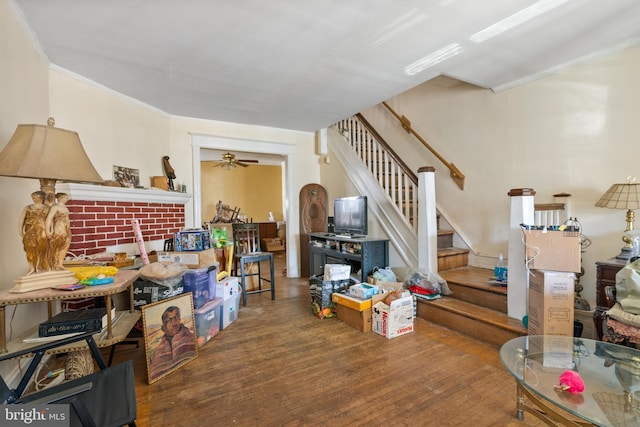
433,58
405,22
518,18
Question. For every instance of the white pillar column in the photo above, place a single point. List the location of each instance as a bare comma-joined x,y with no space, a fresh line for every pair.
522,212
427,220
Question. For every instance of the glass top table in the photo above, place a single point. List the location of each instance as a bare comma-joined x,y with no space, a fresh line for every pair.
611,374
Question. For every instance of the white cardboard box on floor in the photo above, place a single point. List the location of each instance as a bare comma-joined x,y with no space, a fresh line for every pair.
551,295
230,311
227,287
393,320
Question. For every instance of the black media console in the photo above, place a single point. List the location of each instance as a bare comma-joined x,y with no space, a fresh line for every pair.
361,253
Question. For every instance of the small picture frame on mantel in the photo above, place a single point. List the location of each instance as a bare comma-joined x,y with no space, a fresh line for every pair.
126,177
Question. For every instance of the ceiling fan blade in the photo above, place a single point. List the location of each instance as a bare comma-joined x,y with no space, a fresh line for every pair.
239,163
248,161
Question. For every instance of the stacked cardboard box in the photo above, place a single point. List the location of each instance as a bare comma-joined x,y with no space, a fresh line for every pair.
554,258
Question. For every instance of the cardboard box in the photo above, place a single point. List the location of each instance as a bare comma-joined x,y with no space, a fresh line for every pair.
363,290
553,250
355,303
551,295
161,182
272,245
393,320
230,311
146,292
198,259
228,287
361,320
351,301
208,320
385,285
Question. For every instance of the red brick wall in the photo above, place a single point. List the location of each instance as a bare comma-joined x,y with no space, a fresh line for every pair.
95,225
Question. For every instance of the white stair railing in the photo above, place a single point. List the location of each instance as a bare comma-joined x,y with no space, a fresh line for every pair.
399,184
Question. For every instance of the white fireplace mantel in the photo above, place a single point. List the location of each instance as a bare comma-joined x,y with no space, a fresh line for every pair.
121,194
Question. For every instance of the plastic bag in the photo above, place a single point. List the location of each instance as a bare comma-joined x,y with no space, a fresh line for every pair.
384,274
426,282
163,273
628,287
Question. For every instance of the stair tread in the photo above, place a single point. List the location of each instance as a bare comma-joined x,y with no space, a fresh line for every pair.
450,251
482,314
474,277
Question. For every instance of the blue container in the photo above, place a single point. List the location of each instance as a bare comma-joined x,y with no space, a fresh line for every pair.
201,282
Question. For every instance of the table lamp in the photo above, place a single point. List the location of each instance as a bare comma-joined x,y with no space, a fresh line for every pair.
623,196
48,154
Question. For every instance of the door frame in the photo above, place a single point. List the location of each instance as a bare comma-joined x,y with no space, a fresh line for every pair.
287,151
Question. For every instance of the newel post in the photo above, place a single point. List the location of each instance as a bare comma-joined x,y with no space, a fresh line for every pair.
427,220
522,212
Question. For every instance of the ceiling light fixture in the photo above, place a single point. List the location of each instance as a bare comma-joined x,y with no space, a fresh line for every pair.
518,18
433,58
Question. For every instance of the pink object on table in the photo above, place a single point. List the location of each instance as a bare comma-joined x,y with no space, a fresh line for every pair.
570,381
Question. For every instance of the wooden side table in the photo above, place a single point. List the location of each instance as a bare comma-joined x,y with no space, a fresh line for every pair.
605,276
115,332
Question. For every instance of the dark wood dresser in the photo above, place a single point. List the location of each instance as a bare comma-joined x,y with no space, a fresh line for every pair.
605,276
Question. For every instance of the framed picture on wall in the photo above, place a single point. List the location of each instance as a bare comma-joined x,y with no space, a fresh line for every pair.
169,335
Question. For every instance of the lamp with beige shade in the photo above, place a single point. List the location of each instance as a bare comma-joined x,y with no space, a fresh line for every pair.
48,154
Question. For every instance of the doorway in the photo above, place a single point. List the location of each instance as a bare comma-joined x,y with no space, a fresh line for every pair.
202,146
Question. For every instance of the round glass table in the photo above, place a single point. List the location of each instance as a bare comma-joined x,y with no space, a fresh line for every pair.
611,374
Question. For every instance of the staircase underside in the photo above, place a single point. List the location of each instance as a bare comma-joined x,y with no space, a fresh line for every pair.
474,308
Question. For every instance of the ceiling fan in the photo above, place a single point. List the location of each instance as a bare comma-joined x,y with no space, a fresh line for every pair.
229,161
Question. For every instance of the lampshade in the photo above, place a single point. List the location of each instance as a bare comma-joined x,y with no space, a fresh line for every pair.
47,152
621,196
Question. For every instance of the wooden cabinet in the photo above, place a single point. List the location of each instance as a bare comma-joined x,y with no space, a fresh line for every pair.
361,254
605,276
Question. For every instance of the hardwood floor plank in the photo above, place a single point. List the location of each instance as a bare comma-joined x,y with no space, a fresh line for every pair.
279,365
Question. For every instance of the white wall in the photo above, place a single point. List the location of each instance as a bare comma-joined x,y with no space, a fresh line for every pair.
576,132
115,130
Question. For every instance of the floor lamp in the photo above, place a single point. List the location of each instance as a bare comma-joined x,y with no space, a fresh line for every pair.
48,154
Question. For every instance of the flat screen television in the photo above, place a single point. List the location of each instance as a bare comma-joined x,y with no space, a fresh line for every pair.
350,216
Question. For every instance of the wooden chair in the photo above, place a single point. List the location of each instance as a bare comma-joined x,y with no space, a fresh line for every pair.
246,241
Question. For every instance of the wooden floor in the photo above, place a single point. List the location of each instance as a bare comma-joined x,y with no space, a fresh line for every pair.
279,365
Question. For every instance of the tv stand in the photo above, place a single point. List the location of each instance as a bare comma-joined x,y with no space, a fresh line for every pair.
361,253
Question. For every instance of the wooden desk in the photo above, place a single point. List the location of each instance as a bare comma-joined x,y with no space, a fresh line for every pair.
605,276
115,333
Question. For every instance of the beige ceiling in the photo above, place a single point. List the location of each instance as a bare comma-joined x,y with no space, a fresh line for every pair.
302,64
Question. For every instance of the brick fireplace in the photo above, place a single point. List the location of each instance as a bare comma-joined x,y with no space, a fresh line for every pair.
102,216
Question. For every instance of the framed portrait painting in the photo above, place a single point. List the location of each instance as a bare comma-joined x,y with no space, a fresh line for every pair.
169,335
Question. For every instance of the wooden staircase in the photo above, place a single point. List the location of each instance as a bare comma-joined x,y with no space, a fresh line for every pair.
474,308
